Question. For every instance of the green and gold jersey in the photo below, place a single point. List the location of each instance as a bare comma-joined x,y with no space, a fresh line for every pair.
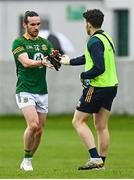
32,80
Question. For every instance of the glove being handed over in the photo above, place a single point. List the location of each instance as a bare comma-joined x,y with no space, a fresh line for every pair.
54,59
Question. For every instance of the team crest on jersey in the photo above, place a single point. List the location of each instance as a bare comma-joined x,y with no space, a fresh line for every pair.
38,56
25,99
44,47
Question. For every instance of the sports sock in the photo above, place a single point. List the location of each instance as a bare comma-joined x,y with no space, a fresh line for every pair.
93,153
27,154
103,158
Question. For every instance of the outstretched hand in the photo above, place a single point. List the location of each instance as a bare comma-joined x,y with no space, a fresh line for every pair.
64,59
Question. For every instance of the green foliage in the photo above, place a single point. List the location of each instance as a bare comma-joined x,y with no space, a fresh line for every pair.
61,151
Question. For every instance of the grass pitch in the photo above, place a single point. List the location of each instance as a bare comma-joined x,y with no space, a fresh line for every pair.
61,151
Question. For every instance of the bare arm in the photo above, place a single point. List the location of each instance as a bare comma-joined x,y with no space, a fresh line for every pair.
26,62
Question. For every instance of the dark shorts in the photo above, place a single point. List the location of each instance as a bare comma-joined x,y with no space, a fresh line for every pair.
93,98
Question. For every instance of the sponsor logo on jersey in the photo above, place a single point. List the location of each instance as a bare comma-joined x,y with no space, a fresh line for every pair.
29,47
38,56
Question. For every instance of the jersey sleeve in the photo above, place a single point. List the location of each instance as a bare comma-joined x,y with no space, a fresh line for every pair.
50,47
18,48
78,61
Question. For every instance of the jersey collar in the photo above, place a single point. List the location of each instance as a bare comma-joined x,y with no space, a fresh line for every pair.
100,31
27,36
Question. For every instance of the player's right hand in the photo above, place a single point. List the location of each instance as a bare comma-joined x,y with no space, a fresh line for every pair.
85,82
46,63
64,59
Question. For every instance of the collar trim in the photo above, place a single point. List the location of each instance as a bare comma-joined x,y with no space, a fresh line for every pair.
27,36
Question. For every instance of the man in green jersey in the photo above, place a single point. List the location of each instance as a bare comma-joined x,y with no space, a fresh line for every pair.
30,52
100,87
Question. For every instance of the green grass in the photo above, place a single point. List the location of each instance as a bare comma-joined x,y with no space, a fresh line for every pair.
61,151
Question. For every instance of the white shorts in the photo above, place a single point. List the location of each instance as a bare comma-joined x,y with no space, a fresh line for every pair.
40,102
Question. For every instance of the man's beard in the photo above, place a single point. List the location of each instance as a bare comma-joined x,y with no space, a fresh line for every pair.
34,33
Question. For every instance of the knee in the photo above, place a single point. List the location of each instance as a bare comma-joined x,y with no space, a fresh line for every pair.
76,123
101,127
40,128
39,132
33,126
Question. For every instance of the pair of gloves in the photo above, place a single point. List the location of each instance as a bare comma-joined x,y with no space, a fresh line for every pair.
56,59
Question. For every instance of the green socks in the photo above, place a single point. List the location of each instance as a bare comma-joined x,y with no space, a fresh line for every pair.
28,154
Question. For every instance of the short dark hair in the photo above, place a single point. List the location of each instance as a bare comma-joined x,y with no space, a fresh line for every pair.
95,17
29,14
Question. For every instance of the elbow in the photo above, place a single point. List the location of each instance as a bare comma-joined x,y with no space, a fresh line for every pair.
101,71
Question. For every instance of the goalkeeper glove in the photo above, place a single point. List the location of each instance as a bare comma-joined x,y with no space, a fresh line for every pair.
54,59
65,60
85,82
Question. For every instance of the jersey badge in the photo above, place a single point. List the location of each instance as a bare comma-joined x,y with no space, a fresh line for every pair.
25,99
44,47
